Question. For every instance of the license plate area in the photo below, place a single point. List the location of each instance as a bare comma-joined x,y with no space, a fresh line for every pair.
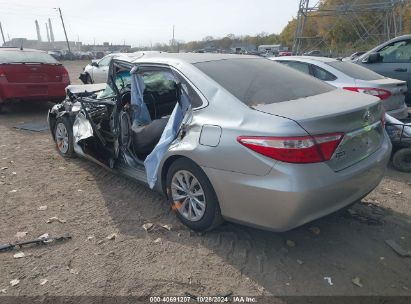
37,89
357,145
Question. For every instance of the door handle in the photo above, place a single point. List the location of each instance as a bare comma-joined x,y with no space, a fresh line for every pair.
401,70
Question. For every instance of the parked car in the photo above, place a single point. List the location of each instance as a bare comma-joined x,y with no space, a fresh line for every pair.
352,77
233,137
97,70
56,55
83,55
400,135
62,55
285,53
313,53
391,59
353,56
27,74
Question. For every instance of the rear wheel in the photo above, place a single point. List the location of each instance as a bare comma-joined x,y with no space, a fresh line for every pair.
192,196
402,160
63,134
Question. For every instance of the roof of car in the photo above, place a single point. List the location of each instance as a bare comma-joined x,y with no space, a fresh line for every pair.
18,49
305,58
187,57
401,37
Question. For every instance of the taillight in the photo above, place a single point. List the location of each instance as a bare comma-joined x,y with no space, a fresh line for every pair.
302,149
380,93
64,75
2,75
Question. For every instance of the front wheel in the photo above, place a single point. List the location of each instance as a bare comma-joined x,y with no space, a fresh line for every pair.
88,79
192,196
63,135
402,160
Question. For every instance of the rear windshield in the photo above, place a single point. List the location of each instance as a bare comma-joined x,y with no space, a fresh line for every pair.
354,70
25,56
262,81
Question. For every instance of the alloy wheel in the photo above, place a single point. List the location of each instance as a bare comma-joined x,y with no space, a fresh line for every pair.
187,192
62,138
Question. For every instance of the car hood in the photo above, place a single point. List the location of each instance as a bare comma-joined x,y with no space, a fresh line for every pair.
86,88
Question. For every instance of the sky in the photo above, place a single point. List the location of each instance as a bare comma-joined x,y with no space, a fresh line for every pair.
145,22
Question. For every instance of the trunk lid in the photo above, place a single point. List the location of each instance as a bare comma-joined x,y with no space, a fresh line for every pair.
33,72
358,116
397,88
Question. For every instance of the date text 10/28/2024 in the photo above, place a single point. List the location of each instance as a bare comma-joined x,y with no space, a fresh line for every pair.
203,299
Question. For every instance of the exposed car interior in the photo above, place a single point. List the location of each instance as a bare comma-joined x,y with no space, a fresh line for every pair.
161,94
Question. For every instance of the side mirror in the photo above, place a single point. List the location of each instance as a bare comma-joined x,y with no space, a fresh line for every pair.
373,58
94,64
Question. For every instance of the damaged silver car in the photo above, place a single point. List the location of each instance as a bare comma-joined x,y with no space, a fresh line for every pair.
231,137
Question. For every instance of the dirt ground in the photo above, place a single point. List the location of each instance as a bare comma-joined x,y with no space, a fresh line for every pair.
93,204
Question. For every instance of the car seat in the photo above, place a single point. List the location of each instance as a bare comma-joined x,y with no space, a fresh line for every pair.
147,136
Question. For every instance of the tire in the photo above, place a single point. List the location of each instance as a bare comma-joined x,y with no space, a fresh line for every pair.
63,135
402,160
200,218
88,79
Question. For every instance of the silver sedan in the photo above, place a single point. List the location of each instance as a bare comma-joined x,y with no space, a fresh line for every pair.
353,77
260,145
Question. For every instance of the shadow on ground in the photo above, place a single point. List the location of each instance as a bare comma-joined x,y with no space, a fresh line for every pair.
341,246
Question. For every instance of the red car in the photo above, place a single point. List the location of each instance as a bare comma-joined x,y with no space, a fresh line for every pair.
285,53
31,75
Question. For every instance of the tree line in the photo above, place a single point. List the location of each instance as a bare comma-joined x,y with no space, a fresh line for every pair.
331,34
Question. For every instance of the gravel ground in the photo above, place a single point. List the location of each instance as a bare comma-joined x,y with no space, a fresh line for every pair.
95,204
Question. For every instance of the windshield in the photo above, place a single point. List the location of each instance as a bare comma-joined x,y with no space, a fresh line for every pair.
262,81
123,83
9,56
354,70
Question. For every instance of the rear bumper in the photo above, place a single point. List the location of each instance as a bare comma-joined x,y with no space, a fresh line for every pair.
400,113
32,91
292,195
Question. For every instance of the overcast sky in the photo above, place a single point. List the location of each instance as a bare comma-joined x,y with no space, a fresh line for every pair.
141,22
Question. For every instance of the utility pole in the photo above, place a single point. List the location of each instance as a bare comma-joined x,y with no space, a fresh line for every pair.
401,17
172,41
2,34
64,28
48,33
51,31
